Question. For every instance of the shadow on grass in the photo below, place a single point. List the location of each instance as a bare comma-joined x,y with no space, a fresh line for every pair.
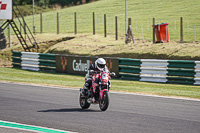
53,42
69,110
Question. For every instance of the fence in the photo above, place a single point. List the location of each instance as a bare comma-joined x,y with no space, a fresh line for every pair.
150,70
34,61
95,23
164,71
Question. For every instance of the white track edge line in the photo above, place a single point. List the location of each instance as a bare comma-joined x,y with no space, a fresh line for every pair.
20,129
36,126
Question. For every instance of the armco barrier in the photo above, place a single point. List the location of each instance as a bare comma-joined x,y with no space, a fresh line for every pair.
165,71
150,70
129,69
59,63
34,61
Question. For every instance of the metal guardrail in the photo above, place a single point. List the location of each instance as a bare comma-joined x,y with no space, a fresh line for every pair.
34,61
149,70
129,69
165,71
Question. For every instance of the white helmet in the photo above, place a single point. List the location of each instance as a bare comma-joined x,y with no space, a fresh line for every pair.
100,63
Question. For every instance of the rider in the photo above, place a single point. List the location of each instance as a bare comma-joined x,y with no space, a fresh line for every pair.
99,65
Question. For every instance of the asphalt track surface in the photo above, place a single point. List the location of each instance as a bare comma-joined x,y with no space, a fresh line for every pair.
58,108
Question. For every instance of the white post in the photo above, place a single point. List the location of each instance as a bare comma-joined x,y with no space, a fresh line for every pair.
102,19
83,25
136,25
49,25
142,33
9,36
65,25
71,18
126,18
79,19
110,25
89,18
175,24
114,25
194,34
33,17
96,20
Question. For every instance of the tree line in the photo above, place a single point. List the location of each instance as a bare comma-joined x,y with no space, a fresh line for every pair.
52,2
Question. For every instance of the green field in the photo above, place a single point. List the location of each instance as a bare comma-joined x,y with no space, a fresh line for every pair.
72,81
141,11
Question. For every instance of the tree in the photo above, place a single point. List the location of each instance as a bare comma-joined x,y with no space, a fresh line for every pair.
52,2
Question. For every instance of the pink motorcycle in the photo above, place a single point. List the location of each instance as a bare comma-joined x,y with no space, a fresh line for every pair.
98,92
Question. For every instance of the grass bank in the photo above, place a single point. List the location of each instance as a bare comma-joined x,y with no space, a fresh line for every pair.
73,81
141,12
97,45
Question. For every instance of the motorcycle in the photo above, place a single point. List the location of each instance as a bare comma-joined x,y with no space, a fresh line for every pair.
98,93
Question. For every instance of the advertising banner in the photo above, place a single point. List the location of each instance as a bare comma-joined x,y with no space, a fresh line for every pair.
5,9
80,64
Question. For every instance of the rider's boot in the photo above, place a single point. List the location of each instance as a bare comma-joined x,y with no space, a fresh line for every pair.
85,89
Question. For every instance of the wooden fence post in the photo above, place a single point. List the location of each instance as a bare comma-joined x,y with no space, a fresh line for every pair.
40,22
116,28
105,32
75,26
129,21
93,23
57,23
153,30
128,32
181,28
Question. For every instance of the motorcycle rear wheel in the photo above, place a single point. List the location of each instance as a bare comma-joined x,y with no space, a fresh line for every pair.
103,104
83,102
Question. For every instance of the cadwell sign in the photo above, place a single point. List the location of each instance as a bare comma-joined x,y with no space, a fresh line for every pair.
6,9
80,64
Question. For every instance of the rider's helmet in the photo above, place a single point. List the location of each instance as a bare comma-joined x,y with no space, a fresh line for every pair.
100,63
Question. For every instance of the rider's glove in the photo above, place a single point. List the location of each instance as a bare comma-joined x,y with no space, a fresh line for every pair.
112,74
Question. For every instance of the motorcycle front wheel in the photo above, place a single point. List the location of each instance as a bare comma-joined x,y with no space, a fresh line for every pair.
103,104
83,102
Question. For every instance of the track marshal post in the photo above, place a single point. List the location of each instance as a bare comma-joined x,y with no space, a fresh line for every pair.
6,13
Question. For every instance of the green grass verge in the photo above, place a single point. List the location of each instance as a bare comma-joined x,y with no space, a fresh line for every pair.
141,12
73,81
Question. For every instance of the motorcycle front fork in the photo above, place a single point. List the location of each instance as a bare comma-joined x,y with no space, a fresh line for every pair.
92,97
